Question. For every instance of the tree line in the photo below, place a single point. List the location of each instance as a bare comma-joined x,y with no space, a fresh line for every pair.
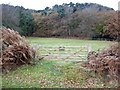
84,21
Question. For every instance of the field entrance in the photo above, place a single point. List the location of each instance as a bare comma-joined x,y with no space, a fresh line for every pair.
50,73
67,53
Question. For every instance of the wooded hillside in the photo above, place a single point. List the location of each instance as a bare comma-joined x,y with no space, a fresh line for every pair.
84,21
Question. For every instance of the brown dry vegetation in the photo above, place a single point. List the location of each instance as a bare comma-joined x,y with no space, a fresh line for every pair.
15,50
105,63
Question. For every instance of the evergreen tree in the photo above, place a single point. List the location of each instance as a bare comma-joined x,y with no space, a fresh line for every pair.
26,23
61,12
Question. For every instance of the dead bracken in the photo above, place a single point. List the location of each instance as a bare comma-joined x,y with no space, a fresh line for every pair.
106,62
15,50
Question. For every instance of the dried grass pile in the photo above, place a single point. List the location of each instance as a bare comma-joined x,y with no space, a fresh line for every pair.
106,62
15,50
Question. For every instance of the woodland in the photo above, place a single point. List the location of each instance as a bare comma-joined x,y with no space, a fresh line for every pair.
77,20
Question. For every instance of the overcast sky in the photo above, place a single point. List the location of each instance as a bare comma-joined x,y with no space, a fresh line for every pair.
41,4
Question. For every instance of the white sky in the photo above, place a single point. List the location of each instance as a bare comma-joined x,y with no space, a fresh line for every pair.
41,4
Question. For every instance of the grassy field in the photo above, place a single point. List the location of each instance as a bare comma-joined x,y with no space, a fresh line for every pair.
55,74
56,41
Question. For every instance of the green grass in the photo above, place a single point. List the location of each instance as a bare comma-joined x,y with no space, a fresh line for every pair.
55,74
70,42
